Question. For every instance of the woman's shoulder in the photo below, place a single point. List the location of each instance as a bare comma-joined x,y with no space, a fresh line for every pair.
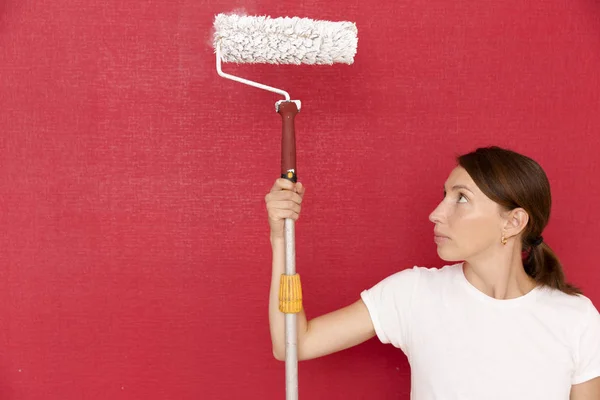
424,277
578,306
435,274
419,275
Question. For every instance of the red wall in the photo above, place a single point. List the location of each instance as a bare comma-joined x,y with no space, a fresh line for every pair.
134,252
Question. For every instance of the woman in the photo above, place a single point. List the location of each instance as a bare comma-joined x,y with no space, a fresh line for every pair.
500,324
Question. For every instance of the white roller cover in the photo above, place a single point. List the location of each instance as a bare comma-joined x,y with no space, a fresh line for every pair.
285,40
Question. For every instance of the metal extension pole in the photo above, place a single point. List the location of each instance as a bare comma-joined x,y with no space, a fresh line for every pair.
291,328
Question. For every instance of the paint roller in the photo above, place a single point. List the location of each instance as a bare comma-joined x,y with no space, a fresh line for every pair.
285,40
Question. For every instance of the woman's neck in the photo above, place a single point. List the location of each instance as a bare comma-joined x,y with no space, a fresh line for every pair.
501,276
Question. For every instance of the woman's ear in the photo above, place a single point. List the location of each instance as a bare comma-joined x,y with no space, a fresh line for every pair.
516,221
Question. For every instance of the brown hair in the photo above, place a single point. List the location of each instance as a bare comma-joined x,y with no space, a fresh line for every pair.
514,180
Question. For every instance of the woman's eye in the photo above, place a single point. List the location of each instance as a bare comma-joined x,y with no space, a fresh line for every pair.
462,198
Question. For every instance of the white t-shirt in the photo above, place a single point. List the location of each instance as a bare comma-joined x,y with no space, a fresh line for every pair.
464,345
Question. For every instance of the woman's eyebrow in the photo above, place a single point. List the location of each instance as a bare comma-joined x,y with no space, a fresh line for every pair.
455,187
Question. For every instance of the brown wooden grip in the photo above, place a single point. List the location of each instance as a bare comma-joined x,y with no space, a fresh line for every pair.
288,111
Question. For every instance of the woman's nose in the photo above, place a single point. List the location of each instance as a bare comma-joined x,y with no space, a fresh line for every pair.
436,215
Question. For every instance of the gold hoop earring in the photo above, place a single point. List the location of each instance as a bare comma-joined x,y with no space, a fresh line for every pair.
504,240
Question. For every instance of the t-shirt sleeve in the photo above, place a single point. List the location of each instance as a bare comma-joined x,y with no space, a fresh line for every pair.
587,365
389,304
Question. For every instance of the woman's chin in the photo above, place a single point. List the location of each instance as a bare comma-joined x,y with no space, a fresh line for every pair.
448,256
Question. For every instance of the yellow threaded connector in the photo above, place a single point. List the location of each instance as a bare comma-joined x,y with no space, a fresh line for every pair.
290,294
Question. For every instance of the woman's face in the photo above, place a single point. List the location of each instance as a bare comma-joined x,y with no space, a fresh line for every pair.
467,222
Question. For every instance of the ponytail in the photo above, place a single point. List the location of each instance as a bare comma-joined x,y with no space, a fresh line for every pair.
543,265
